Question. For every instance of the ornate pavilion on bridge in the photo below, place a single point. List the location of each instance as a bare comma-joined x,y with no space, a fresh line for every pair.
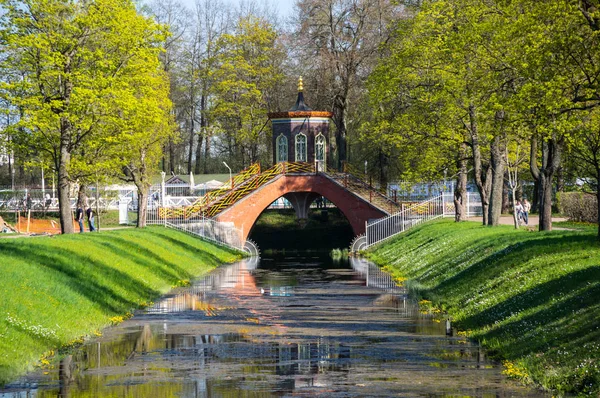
301,134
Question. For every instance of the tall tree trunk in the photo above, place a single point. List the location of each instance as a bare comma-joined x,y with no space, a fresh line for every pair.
171,156
383,169
551,155
142,205
460,191
535,198
560,179
198,168
191,143
598,201
505,197
64,185
206,151
545,202
339,115
497,186
483,182
82,196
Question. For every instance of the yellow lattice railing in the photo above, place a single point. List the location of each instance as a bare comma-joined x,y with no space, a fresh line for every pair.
257,182
196,207
219,200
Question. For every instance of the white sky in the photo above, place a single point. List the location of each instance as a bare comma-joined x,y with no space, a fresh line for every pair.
284,7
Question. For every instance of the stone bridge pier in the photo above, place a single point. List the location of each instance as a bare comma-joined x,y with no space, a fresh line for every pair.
301,202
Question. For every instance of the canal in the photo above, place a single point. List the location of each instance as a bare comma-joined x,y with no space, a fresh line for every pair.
280,326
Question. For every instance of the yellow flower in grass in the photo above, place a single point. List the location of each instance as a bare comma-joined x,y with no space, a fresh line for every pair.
514,371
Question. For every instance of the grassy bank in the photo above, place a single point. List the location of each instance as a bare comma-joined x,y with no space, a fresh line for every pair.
57,289
532,298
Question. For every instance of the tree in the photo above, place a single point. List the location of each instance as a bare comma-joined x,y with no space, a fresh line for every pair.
586,153
244,73
175,16
146,127
73,58
339,40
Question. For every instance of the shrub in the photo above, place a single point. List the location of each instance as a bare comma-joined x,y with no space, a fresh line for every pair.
578,206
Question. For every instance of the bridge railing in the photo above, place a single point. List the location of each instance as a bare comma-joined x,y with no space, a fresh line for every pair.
439,206
221,233
384,228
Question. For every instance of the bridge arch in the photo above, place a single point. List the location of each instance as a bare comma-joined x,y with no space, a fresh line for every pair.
302,188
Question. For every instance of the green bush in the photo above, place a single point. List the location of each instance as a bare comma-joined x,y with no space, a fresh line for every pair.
578,206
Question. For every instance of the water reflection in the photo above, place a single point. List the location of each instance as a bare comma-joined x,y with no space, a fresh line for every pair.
284,326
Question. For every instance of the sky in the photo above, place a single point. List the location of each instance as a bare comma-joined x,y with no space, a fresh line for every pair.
284,7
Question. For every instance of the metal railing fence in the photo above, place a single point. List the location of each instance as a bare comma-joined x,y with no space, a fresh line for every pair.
472,205
384,228
437,207
221,233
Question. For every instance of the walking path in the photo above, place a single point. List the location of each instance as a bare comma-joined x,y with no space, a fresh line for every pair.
534,220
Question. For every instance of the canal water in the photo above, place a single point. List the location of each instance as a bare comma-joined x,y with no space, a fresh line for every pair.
286,326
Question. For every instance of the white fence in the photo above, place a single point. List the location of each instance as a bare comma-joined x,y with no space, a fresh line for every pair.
437,207
472,206
222,233
47,200
384,228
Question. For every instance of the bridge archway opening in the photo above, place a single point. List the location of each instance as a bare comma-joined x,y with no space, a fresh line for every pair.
305,221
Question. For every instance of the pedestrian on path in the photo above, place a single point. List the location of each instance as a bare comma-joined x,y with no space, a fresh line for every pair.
90,217
526,210
519,212
79,217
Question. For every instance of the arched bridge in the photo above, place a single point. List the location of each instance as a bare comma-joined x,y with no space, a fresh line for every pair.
243,199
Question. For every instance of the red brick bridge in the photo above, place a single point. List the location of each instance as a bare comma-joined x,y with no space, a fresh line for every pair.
244,198
301,190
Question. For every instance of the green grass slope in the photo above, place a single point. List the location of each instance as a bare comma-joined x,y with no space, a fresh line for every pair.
54,290
532,298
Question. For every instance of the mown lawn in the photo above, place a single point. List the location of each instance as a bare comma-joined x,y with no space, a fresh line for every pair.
55,290
533,298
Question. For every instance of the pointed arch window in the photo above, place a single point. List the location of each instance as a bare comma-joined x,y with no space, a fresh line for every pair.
282,148
301,148
320,145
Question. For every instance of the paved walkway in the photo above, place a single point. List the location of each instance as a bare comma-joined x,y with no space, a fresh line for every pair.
534,220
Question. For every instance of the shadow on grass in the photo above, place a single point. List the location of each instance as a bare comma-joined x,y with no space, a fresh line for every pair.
542,324
517,253
85,283
149,260
542,294
208,258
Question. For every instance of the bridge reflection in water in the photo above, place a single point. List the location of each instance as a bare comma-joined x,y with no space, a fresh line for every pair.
286,326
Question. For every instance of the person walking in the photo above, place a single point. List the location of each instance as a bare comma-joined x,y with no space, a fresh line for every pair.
28,202
526,210
519,212
90,216
79,217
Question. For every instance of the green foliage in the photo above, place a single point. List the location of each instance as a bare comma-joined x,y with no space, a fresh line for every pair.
531,298
86,79
56,289
578,206
245,72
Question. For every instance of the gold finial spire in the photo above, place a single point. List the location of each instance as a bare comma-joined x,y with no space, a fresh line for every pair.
300,85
